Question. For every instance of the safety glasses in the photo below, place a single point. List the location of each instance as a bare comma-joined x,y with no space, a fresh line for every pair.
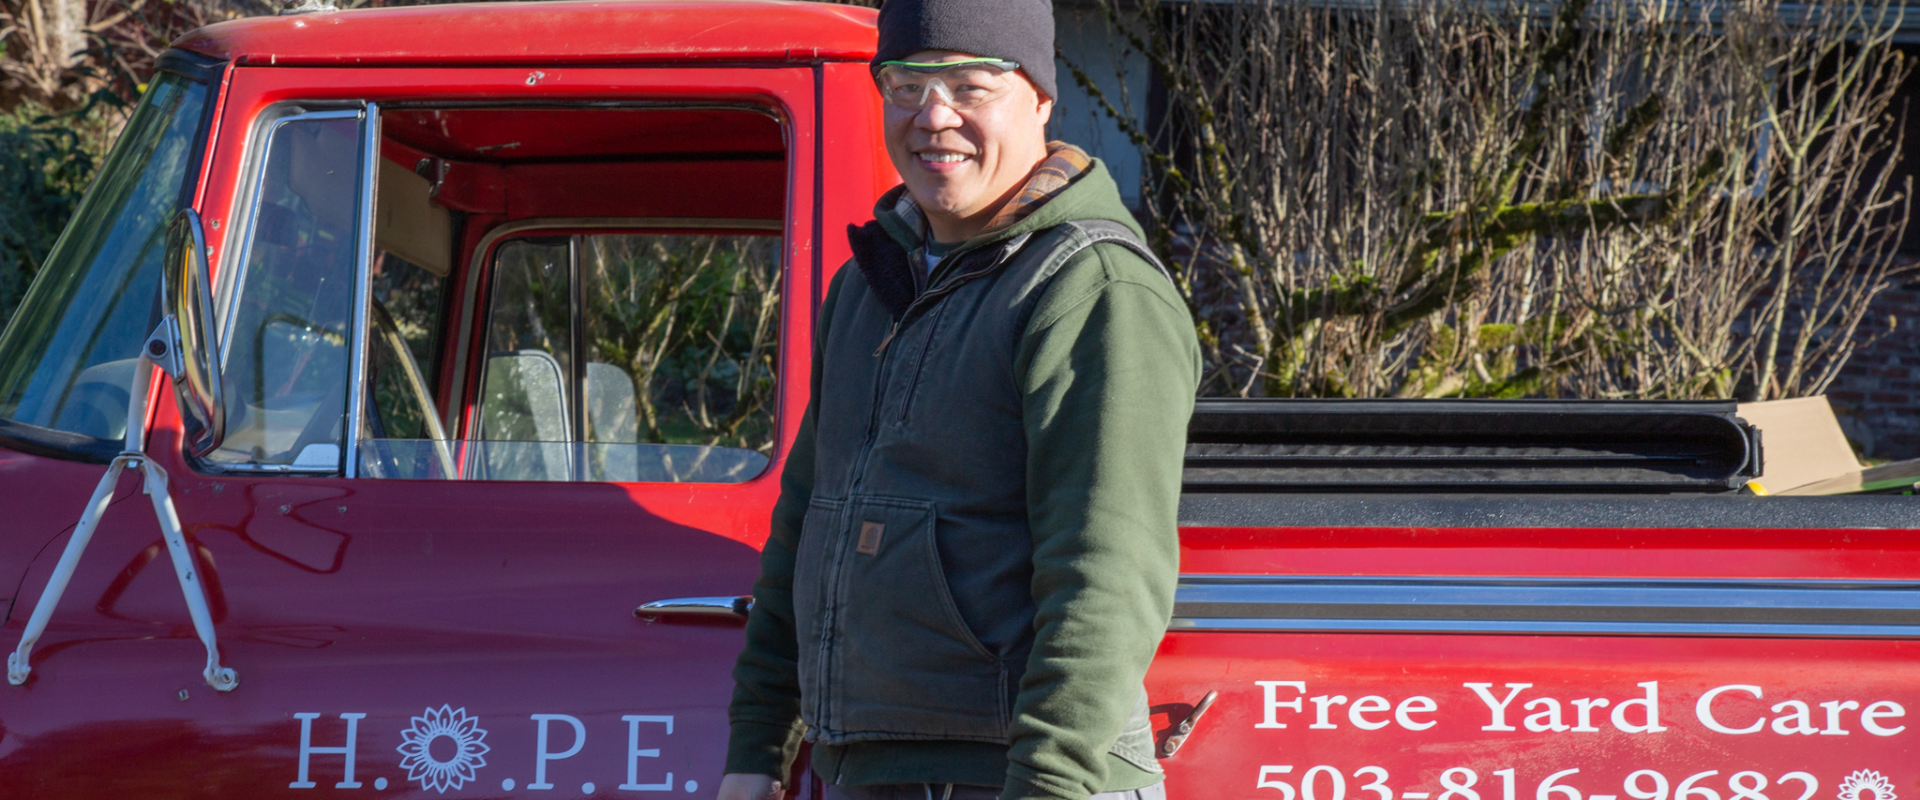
961,85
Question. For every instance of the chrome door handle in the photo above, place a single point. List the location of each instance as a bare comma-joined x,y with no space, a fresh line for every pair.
696,608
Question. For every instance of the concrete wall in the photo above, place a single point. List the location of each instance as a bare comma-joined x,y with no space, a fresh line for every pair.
1081,33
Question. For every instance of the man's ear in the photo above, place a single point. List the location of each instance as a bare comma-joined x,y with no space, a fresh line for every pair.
1045,109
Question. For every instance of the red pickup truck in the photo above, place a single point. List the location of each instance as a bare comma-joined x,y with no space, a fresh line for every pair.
457,349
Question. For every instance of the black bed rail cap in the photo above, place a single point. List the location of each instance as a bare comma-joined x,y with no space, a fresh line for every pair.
1561,446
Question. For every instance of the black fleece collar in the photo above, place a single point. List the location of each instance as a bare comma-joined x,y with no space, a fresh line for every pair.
886,265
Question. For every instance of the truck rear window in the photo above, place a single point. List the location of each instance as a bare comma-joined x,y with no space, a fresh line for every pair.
676,335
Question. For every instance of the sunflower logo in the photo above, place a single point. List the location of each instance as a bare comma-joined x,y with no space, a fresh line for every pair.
464,734
1864,782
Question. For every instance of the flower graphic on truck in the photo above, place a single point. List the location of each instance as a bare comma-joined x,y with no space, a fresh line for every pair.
465,735
1866,784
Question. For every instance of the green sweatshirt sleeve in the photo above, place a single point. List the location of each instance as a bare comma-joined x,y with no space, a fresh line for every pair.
1108,370
765,713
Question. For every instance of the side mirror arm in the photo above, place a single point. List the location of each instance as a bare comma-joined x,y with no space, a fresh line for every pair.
164,348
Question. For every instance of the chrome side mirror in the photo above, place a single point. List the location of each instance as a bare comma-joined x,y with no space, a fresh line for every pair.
184,345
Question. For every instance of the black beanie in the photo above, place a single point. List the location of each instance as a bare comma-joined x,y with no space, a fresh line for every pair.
1016,30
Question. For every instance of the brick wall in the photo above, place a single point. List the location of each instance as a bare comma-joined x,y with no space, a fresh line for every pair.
1877,395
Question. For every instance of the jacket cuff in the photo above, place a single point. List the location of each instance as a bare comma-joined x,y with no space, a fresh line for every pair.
1023,785
761,748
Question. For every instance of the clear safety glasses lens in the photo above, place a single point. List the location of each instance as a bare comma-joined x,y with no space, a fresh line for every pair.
961,86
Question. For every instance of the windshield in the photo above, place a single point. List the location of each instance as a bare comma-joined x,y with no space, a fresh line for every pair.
67,358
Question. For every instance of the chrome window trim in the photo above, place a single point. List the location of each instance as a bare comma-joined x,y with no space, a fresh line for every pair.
239,237
1569,606
576,365
362,291
470,296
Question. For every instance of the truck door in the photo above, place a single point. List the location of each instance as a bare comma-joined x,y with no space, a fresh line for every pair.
498,373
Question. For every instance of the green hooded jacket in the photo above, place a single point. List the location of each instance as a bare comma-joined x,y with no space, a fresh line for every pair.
974,553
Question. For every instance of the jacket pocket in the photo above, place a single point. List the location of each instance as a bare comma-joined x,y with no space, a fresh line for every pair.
1135,743
905,665
812,606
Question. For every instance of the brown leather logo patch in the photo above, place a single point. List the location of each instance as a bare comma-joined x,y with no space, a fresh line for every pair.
870,537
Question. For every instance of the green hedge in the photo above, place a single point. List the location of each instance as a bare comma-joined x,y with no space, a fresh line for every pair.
46,162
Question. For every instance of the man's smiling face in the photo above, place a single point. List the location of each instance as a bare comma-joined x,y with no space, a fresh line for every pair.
960,166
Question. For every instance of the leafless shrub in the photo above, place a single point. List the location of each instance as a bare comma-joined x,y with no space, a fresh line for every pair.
1599,198
60,53
695,320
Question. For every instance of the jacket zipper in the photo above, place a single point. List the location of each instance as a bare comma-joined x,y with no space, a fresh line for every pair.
942,291
920,365
835,564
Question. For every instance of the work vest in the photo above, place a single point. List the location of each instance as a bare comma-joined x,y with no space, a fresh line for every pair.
912,582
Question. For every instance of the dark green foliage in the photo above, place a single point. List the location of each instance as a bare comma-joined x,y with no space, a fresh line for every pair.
46,162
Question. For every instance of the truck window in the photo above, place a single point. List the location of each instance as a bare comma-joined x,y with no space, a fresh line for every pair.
679,333
523,392
675,335
68,356
287,339
409,308
574,294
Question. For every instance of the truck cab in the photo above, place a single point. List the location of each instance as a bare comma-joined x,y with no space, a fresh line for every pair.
510,308
504,315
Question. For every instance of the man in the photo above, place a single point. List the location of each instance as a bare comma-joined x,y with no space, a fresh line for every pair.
974,552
